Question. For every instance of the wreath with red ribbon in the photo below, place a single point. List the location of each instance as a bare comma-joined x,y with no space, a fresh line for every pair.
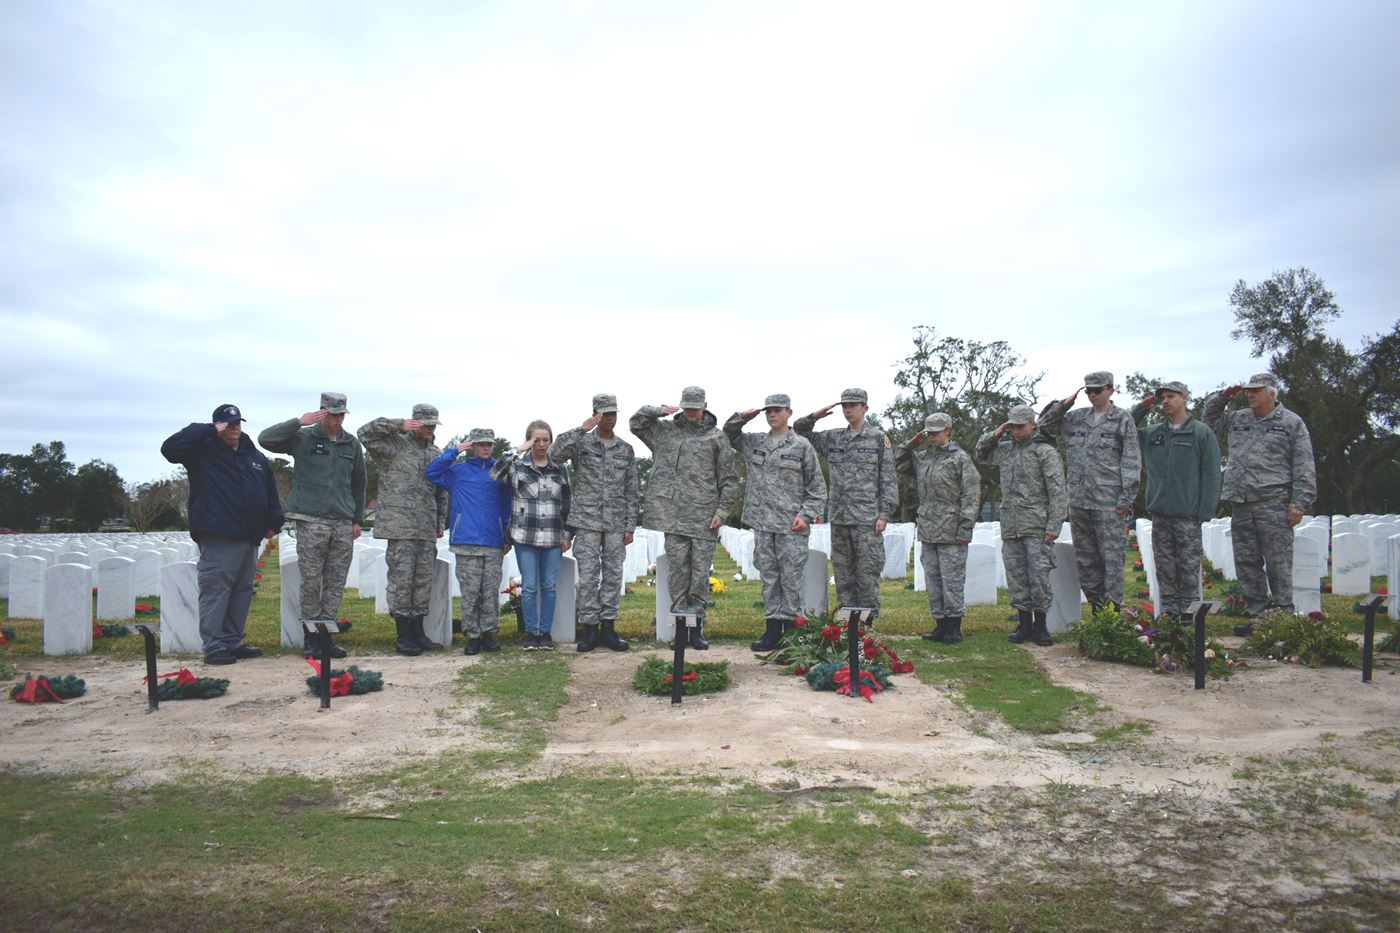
186,686
347,682
43,689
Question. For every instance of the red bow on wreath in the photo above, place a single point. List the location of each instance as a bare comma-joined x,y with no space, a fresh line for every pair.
182,677
670,678
37,691
843,679
340,686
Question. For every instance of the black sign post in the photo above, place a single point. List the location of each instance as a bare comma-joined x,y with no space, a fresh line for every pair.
323,629
683,622
149,633
1199,610
852,616
1369,605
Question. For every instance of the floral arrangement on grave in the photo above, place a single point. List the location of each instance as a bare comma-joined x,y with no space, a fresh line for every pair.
146,609
43,689
1234,602
109,631
7,635
1313,640
716,585
182,685
817,649
654,677
1165,645
351,681
512,594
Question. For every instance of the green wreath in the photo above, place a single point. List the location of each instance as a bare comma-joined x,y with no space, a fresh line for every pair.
65,688
359,682
201,688
653,677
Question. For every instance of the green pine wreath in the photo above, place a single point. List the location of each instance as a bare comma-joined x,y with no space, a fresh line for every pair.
361,682
202,688
653,677
65,688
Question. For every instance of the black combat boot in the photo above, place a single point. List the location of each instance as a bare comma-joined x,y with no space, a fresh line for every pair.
1039,633
589,641
697,636
939,630
404,642
611,640
1023,628
424,642
953,633
772,634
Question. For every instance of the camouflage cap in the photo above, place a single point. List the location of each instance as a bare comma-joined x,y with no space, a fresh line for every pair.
1021,414
1178,387
1098,380
227,414
603,403
428,414
777,400
1262,381
692,397
333,403
937,423
854,396
481,436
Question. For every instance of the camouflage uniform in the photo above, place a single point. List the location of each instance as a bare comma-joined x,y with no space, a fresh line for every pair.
412,512
479,577
605,499
950,490
1269,469
692,481
1104,467
1033,505
784,482
864,489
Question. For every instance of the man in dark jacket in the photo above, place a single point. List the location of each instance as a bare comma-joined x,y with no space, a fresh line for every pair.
233,506
327,502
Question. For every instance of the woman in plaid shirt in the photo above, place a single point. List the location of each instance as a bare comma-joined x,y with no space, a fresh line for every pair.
538,510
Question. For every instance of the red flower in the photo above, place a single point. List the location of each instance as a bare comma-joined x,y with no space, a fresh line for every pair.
868,643
257,576
800,621
871,654
262,564
1147,608
799,670
1382,591
831,632
1326,587
1317,616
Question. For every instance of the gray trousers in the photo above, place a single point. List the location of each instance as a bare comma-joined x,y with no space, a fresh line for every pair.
781,559
410,575
1263,543
599,555
1100,544
1028,563
324,549
857,556
945,577
1176,550
688,575
479,576
226,568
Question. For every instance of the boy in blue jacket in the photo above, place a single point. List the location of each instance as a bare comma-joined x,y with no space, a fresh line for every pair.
478,518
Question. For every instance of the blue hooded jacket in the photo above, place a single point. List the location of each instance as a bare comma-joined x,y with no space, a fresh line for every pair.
232,492
480,511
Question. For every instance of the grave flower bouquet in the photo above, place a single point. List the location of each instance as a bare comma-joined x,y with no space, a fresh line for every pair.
1312,640
6,635
812,643
1164,645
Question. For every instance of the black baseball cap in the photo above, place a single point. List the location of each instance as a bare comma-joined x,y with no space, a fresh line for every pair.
227,414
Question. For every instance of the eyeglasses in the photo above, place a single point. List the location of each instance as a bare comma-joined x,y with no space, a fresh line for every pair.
1095,390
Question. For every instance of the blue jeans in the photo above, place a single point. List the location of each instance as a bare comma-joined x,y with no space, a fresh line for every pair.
539,576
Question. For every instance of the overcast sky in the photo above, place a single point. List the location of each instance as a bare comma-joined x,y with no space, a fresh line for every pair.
502,208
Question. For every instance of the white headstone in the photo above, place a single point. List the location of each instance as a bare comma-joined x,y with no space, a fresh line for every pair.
437,624
1380,534
179,609
1064,589
68,609
917,562
72,557
1393,576
147,573
1343,525
980,588
815,592
381,582
1149,563
292,631
6,560
562,629
27,587
116,595
1351,564
1307,575
898,542
363,574
1320,536
665,625
96,555
819,539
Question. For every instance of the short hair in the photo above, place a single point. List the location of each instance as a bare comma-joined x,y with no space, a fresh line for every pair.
530,429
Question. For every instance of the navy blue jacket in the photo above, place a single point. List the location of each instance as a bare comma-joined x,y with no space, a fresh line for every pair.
480,509
232,492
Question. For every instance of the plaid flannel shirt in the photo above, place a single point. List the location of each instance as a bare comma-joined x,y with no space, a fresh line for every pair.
539,504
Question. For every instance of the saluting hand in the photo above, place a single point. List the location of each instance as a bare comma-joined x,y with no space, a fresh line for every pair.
1001,427
821,413
669,409
751,413
1232,391
312,417
591,421
411,424
1069,401
463,447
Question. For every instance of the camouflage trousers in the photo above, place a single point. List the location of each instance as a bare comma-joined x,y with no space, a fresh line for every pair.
781,559
410,576
325,547
599,555
1176,553
688,572
945,577
1028,564
1100,544
1263,544
479,578
857,556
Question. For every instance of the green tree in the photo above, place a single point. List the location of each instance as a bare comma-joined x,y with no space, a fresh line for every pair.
158,505
1347,398
34,486
98,494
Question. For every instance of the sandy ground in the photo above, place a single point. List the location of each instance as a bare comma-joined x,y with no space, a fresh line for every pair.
766,727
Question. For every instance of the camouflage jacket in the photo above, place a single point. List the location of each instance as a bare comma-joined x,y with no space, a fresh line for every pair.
784,477
1033,500
605,492
1103,462
950,490
692,478
1269,456
861,466
409,507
